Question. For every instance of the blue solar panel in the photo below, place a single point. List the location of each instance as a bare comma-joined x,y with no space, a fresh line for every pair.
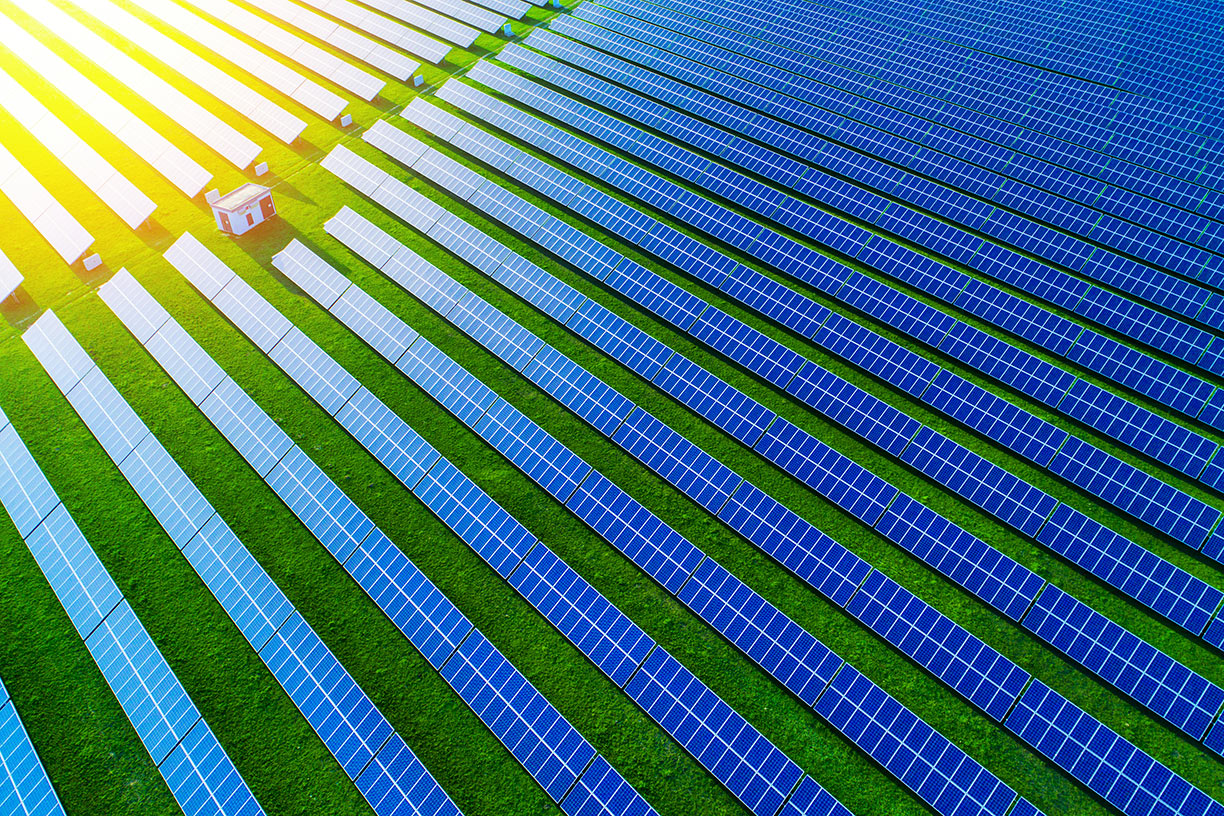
945,777
252,433
488,529
813,556
987,485
809,799
751,768
1160,381
852,407
386,334
876,354
613,642
331,516
114,424
727,407
663,553
337,709
896,309
538,736
771,639
82,584
546,461
167,491
24,491
491,328
979,673
775,300
1157,503
996,418
601,790
1029,375
967,560
1165,441
25,789
578,389
760,354
1187,700
392,441
659,295
630,345
312,369
447,382
430,622
202,778
395,780
1110,766
704,479
832,474
556,299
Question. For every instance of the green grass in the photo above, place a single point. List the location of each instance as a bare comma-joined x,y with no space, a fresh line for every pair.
93,755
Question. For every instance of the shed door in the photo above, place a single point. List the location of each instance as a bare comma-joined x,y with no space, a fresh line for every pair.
266,207
225,222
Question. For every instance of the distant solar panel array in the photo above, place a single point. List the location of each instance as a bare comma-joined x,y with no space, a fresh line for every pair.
699,582
10,277
25,789
541,739
880,602
190,759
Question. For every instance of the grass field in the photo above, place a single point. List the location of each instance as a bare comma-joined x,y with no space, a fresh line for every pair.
92,754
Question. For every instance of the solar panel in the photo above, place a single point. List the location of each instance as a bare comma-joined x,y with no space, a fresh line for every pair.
63,232
25,789
271,117
131,205
1111,767
229,143
197,770
382,766
10,277
343,39
168,160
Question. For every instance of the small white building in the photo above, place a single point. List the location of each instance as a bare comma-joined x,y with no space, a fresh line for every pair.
240,210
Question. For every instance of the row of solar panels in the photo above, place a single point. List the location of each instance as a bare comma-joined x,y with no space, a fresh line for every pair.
1015,98
63,232
1186,157
1166,384
728,746
1188,701
1059,619
10,277
815,161
187,754
1135,46
931,765
416,210
1172,592
25,789
131,205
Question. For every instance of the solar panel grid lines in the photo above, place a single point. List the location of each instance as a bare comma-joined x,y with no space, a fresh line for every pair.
770,659
1036,583
272,72
525,573
987,155
54,223
25,789
841,197
241,98
221,137
975,486
344,39
151,146
389,578
414,42
438,25
1107,764
198,773
1167,521
519,88
131,205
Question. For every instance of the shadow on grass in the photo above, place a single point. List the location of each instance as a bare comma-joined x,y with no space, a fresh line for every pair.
19,309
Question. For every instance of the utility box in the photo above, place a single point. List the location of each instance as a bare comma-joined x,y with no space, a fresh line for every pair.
244,208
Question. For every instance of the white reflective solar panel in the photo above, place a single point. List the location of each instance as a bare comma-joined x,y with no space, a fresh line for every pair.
123,197
272,118
232,145
62,231
334,34
426,20
168,160
398,35
10,279
284,79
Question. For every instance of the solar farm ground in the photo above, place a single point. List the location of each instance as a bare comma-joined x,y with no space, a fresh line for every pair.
92,754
